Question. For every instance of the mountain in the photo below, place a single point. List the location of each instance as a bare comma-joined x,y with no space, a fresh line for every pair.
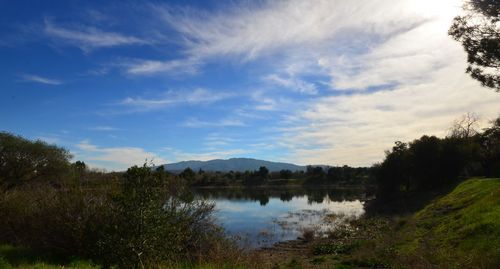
233,164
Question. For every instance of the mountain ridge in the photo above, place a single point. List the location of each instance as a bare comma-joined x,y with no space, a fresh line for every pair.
233,164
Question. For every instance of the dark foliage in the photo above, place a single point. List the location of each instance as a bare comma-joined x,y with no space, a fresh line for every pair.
148,219
25,161
286,174
188,174
314,175
478,31
155,220
430,163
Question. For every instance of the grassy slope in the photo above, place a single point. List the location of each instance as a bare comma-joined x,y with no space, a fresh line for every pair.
459,230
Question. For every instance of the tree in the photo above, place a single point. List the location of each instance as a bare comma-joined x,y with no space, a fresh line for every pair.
465,127
188,174
153,222
80,166
392,172
315,172
479,32
490,144
285,174
334,174
23,160
263,172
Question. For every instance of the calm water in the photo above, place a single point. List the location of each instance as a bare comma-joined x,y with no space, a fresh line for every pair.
264,217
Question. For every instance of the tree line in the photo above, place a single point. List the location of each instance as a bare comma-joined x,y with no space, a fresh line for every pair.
431,162
313,175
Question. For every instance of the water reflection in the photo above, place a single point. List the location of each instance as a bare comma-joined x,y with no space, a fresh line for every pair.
263,195
264,217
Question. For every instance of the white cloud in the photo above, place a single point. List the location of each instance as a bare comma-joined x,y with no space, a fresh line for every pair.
149,67
40,79
228,122
356,129
292,83
178,155
103,128
50,139
215,141
195,97
263,103
254,29
408,57
88,38
356,43
115,158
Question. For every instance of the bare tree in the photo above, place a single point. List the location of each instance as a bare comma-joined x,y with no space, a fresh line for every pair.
465,126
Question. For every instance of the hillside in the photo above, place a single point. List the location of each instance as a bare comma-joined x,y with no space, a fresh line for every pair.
233,164
459,230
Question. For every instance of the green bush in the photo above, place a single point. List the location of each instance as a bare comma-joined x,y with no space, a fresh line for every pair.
65,222
152,224
150,219
25,161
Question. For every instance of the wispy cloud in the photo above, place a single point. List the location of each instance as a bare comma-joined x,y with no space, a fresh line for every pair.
388,62
173,67
50,139
115,158
356,129
179,155
216,140
40,79
265,102
228,122
88,38
103,128
292,83
194,97
256,28
355,44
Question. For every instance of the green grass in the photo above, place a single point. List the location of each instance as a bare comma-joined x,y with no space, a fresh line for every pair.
459,230
22,258
16,257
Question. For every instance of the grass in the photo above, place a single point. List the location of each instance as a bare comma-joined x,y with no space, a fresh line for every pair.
17,257
21,258
459,230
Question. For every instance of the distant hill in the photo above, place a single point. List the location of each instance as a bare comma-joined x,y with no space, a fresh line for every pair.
233,164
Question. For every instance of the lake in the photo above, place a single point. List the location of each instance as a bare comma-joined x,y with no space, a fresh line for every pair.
262,217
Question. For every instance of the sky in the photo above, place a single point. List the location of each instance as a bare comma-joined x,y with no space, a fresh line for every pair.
309,82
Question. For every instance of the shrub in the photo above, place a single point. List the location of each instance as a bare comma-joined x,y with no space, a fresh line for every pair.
152,224
308,234
65,222
150,219
23,161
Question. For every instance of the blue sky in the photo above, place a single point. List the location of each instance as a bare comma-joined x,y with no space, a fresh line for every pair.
309,82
